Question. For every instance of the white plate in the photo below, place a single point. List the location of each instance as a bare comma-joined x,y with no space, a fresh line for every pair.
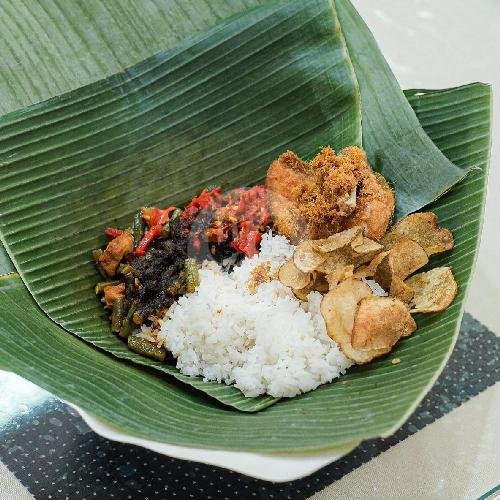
276,468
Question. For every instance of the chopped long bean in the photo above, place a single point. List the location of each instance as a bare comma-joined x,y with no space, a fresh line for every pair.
176,213
118,314
146,348
125,269
191,275
137,228
96,253
165,232
127,326
99,288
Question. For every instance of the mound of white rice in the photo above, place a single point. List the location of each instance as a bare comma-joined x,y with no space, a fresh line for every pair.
266,342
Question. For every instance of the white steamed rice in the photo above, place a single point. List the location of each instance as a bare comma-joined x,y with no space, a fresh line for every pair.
267,342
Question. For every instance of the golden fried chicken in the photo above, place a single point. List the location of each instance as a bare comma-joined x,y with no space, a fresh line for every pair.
287,180
331,193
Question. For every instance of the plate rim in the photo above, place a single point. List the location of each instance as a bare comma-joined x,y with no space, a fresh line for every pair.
267,467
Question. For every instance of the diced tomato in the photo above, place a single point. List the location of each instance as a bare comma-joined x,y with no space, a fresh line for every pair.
247,243
161,216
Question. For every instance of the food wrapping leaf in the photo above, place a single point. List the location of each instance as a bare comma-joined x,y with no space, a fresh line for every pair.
374,401
220,106
6,265
49,48
396,144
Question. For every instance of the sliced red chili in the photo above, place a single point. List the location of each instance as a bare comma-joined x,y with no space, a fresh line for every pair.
147,239
113,232
161,216
158,218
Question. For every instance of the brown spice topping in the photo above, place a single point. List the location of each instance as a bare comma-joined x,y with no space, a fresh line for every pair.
260,274
331,193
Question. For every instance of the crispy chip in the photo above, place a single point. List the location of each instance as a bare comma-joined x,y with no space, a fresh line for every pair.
334,263
423,228
338,308
399,289
353,236
365,252
380,322
433,291
331,255
293,277
320,283
306,258
341,274
302,293
369,270
403,259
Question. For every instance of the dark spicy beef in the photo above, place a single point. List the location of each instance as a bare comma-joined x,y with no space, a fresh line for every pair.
160,271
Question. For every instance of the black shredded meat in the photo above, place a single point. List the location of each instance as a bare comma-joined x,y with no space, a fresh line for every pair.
159,271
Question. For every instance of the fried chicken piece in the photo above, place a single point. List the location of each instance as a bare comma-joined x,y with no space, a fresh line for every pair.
374,208
286,180
375,199
329,194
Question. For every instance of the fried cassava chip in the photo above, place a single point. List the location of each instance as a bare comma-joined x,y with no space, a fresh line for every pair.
380,322
433,291
338,308
290,275
422,227
402,260
306,258
338,241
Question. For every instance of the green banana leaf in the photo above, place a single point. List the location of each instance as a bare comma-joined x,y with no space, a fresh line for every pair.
93,39
222,105
375,399
98,144
6,265
49,48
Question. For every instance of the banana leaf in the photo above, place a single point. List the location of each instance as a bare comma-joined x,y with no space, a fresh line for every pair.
91,40
396,145
83,139
375,399
222,105
6,265
49,48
